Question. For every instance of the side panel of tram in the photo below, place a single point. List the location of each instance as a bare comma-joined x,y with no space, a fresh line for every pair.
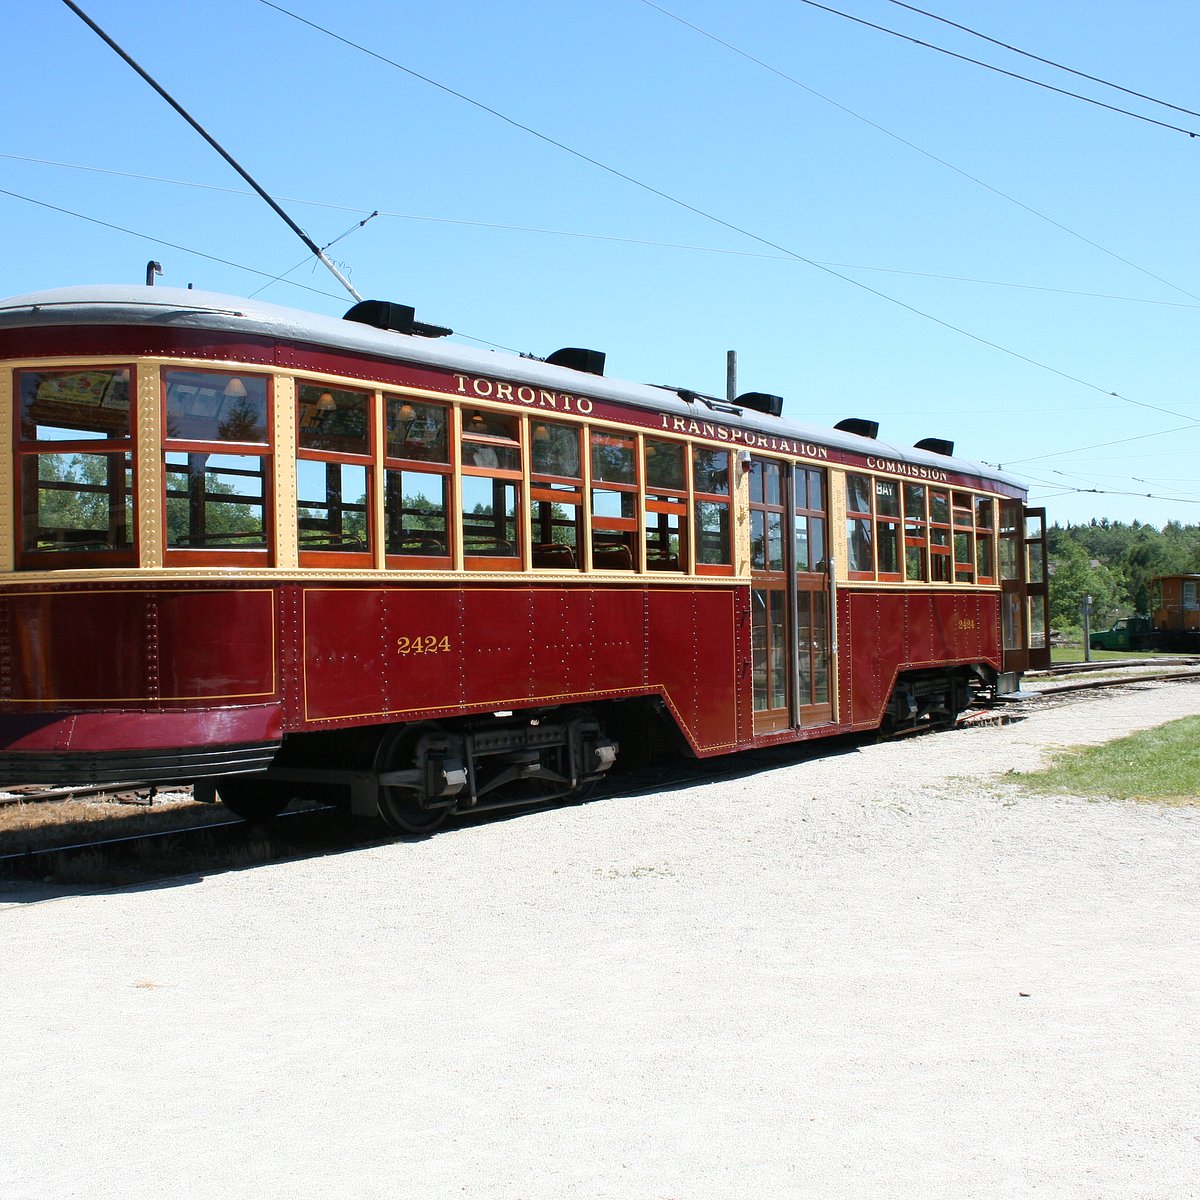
849,592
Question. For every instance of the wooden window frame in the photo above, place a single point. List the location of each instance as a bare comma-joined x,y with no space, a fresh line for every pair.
31,449
666,502
395,463
264,451
497,474
720,499
985,534
341,559
547,487
634,542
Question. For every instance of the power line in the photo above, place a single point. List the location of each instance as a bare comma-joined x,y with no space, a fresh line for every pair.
606,237
680,203
270,277
999,70
1047,61
918,149
161,241
1102,445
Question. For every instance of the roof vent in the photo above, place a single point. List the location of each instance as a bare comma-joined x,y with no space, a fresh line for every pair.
762,402
575,359
400,318
937,446
867,429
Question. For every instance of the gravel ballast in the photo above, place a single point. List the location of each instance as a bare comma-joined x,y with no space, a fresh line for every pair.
883,973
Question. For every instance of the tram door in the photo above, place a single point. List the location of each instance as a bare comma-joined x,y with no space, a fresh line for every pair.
1024,589
789,595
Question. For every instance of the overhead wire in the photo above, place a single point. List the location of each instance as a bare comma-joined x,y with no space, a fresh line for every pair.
726,224
271,277
1191,133
1049,62
161,241
1137,437
606,237
766,66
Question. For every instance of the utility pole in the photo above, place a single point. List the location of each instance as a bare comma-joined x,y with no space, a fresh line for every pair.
1087,629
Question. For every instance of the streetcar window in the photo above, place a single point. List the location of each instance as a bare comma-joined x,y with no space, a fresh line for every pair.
215,501
333,506
710,488
417,432
916,532
77,501
712,533
417,508
614,502
74,406
666,505
964,539
556,450
216,496
860,558
985,538
490,489
334,475
666,533
1010,538
766,540
76,493
211,406
334,419
556,497
1037,623
1035,568
887,528
416,499
489,508
710,470
613,458
939,536
491,441
810,520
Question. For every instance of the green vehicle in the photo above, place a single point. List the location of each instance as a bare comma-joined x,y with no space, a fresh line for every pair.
1129,633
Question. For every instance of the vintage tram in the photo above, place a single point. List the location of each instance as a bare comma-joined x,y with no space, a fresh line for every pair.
276,553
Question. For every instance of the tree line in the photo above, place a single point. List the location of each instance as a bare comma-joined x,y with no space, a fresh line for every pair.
1114,564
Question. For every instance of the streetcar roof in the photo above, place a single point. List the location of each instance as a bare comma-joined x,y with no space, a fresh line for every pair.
186,308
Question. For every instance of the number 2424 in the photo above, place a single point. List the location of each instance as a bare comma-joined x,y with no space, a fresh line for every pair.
429,644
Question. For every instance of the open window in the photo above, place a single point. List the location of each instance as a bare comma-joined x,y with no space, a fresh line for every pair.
490,491
614,501
711,489
216,466
74,465
334,475
556,497
666,505
417,485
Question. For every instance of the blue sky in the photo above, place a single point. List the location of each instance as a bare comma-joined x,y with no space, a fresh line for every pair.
877,229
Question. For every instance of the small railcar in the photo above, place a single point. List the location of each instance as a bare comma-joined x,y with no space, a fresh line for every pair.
276,553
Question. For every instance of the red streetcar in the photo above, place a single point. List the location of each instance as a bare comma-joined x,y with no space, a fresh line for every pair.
283,553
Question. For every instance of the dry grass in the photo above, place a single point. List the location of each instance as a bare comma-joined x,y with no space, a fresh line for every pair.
36,825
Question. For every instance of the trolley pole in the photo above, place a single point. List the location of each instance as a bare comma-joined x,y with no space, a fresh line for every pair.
731,375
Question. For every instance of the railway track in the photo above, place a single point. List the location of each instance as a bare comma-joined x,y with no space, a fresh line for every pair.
217,844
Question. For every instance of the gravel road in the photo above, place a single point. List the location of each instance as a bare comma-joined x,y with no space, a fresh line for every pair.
885,973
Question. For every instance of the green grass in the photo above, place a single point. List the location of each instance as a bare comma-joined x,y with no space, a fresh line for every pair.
1160,765
1070,654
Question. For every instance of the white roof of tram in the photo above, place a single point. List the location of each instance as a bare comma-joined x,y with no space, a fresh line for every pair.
185,308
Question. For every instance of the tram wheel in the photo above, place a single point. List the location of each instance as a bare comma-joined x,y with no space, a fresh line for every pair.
256,801
399,807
